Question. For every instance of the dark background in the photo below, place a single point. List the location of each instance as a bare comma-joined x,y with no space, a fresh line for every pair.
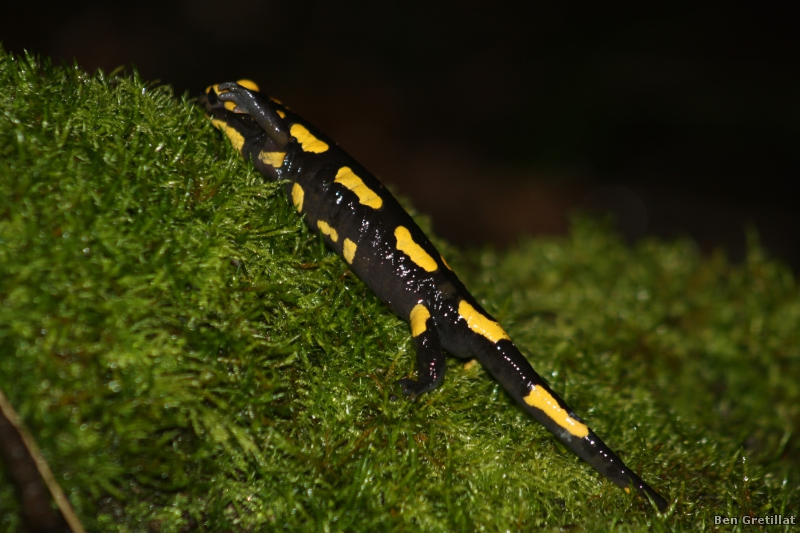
500,118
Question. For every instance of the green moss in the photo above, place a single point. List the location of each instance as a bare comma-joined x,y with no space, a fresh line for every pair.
189,356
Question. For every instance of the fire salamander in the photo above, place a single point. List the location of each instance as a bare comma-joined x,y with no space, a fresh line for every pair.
363,222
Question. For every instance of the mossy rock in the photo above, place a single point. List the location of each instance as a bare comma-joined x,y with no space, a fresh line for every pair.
189,357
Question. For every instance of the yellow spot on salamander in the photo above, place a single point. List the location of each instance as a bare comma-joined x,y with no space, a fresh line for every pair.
627,489
349,251
539,398
366,196
326,229
297,196
280,113
445,263
273,159
234,136
249,84
307,141
406,244
230,106
480,324
419,316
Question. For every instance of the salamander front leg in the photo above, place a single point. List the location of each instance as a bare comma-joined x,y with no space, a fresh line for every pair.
430,359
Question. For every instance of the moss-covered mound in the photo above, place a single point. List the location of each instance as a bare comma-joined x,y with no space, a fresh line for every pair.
189,357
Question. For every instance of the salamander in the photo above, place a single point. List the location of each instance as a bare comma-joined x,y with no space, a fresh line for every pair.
361,221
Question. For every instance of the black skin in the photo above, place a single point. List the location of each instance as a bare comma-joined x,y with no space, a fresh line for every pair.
391,274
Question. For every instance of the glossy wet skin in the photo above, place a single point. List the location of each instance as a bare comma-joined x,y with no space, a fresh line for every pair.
362,221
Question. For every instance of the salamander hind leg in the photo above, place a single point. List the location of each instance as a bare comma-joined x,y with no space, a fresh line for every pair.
430,359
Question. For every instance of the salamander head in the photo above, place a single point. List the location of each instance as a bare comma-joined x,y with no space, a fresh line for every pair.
235,123
240,110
